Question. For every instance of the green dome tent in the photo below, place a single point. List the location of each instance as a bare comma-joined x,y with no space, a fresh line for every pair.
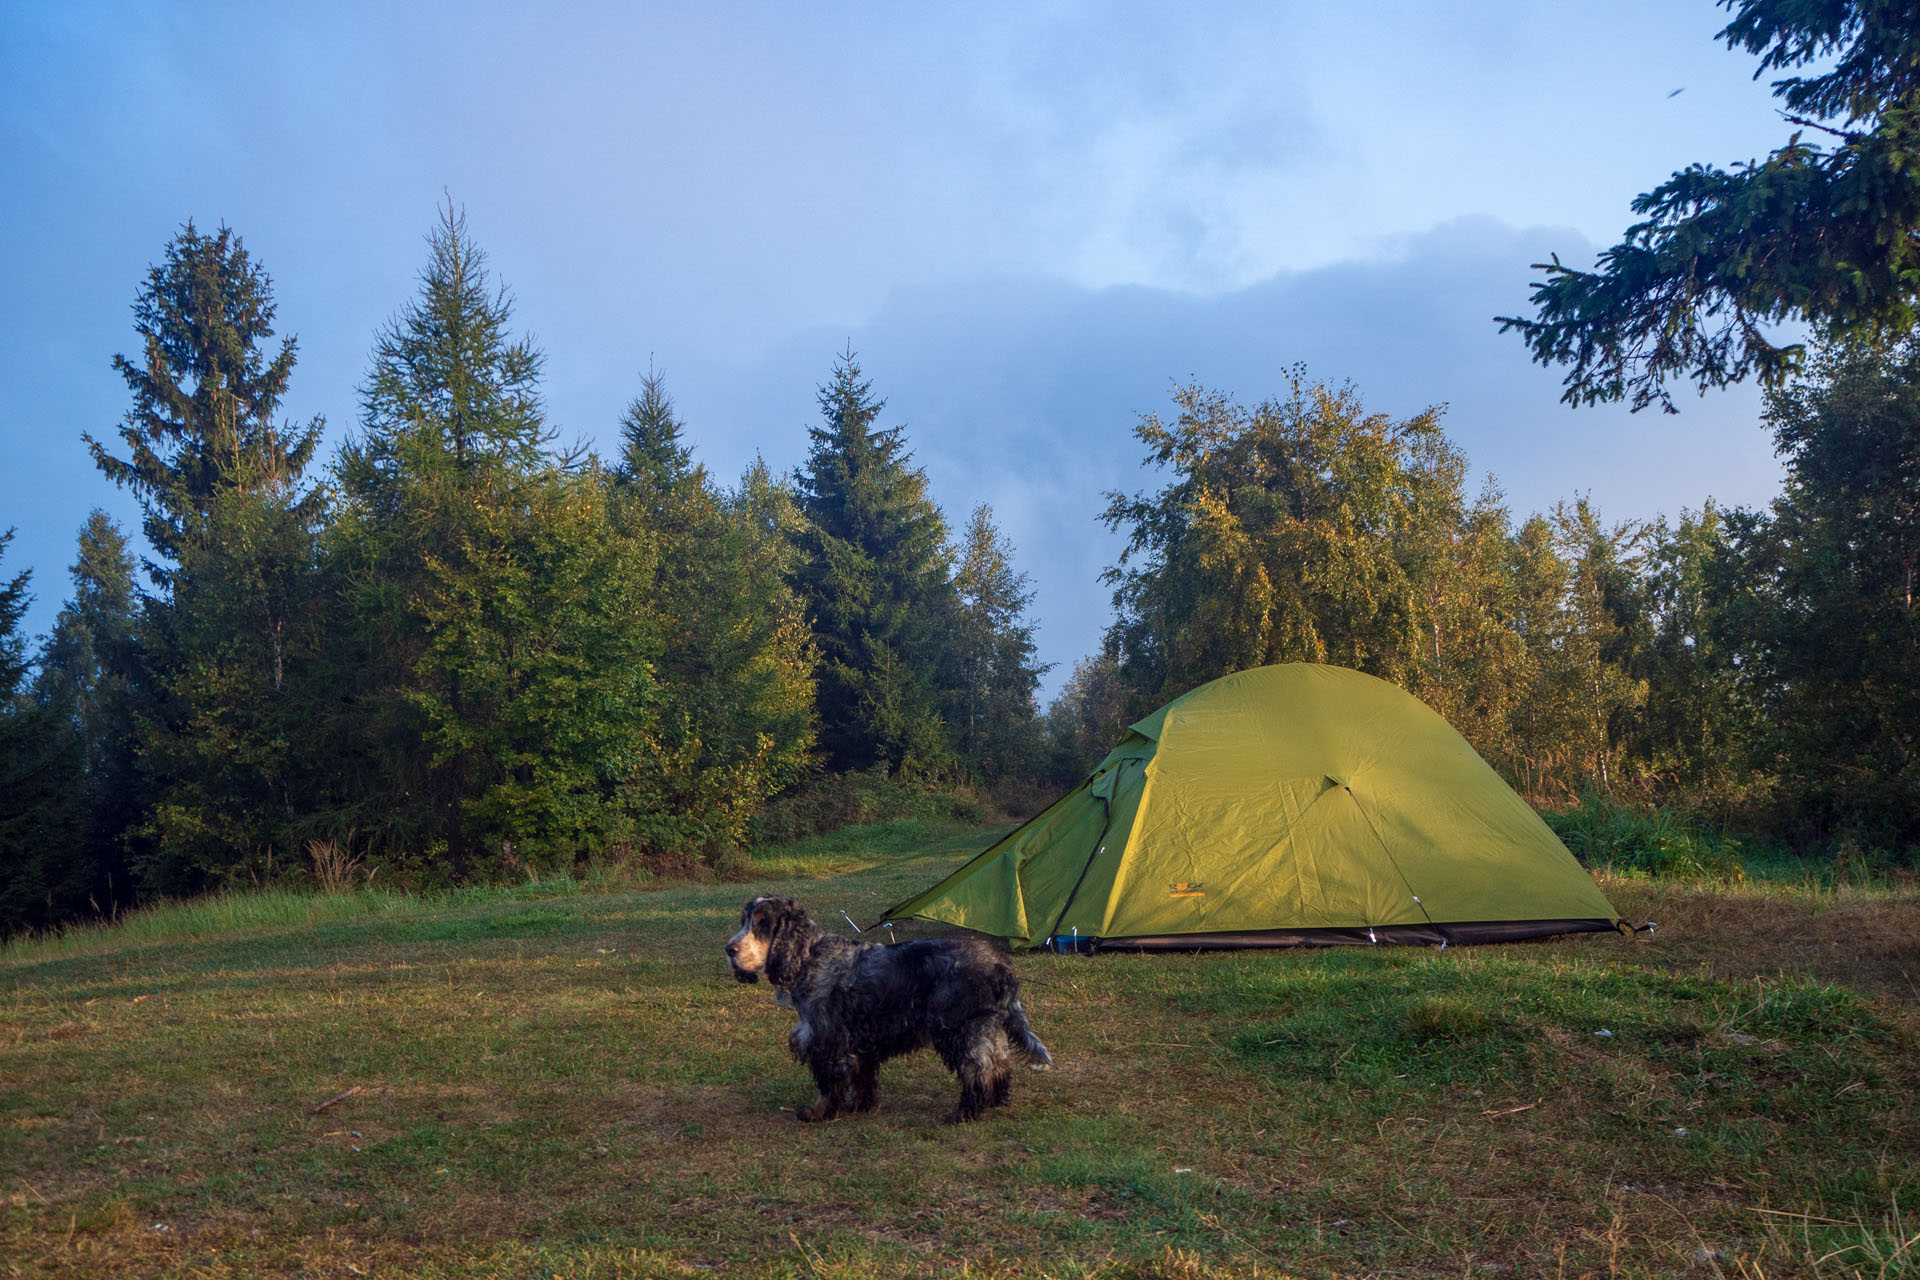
1283,806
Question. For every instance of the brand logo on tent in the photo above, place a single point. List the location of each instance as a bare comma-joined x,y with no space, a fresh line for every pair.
1187,889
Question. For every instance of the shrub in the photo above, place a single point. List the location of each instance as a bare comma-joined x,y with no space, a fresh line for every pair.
831,801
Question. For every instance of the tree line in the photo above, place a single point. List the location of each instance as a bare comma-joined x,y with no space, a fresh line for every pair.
460,650
1753,667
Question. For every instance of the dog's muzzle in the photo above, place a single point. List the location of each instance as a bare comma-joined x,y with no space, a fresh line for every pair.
733,963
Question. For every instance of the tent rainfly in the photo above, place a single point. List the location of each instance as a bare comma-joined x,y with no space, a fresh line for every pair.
1292,805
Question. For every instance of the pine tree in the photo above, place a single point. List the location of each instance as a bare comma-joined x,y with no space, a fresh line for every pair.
734,670
87,678
991,708
205,393
875,581
498,635
40,770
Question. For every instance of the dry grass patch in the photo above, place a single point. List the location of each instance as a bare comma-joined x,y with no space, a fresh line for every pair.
1864,938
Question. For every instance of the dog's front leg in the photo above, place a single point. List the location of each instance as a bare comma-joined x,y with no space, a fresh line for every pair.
866,1084
832,1084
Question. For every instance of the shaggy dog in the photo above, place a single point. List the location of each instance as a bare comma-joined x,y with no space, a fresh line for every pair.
861,1003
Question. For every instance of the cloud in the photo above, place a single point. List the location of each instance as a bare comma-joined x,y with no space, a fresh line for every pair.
1023,393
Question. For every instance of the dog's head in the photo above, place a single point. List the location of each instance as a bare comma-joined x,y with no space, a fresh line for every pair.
772,935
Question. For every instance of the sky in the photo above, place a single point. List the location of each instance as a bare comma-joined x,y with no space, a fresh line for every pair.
1030,221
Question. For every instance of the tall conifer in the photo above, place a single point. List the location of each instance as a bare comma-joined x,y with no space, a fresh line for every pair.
204,390
874,576
87,678
230,517
499,638
991,705
39,784
735,667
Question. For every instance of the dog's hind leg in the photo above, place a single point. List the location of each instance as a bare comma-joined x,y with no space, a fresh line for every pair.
981,1064
1000,1085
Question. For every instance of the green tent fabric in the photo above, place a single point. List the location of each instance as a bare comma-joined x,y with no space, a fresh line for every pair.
1288,805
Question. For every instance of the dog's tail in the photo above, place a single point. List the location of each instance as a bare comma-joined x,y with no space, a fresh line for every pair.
1024,1040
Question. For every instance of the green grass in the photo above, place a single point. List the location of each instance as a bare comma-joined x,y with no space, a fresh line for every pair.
560,1079
1653,842
1656,842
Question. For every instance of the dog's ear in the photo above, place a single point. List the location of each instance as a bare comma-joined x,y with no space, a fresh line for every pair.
789,931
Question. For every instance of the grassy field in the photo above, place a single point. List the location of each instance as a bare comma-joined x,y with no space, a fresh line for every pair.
561,1081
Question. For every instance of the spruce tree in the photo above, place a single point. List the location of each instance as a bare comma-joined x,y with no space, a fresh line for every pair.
39,786
652,457
204,390
498,637
875,582
734,669
229,516
15,598
1825,229
87,678
1825,612
991,707
240,753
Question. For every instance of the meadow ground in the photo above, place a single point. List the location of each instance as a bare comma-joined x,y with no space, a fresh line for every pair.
560,1080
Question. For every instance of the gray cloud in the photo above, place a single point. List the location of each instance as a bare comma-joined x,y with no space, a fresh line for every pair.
1023,393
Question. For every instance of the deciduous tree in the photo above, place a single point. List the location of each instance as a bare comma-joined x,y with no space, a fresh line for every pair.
734,722
1302,530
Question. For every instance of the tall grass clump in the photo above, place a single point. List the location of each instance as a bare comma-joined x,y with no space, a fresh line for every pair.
215,915
1653,842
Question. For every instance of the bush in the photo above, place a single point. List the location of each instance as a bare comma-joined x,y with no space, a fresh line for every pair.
1022,798
831,801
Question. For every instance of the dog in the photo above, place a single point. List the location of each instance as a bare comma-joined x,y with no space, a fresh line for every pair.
861,1003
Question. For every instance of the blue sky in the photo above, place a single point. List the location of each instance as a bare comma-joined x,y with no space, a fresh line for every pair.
1030,221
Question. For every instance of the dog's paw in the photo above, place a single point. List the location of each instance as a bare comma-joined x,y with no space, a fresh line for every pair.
1041,1066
